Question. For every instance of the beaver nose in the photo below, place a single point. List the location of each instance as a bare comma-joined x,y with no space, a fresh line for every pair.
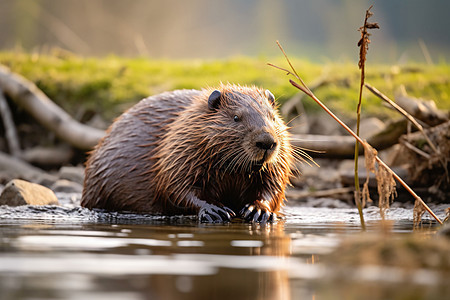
265,141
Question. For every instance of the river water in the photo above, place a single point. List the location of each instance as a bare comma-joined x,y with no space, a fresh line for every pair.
69,252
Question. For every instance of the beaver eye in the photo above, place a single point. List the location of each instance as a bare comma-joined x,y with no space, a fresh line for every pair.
236,118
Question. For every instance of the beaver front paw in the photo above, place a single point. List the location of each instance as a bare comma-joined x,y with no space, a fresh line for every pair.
254,213
210,213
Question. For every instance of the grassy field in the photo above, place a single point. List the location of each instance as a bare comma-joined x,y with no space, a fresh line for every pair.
109,85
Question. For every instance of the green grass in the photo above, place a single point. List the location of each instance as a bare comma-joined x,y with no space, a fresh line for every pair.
111,84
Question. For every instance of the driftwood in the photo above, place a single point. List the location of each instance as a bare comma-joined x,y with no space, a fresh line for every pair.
26,95
17,168
404,113
427,167
334,146
425,111
44,156
292,194
10,129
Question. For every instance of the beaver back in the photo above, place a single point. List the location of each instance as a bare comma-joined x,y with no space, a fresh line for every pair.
117,175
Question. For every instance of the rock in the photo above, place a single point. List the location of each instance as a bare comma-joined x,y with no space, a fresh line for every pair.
20,192
67,186
75,174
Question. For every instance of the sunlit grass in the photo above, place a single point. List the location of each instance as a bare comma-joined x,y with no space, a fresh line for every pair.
109,85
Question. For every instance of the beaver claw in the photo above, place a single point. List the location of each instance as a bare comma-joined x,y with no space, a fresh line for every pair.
252,213
210,213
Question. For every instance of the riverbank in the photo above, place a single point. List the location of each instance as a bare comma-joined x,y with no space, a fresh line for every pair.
106,86
95,90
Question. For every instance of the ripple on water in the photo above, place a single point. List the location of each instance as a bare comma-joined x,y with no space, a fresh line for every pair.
71,212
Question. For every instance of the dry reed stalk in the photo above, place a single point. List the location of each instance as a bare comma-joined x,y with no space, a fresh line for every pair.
363,45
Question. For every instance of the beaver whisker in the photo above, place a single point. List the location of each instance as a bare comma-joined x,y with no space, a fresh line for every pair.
242,163
291,120
301,155
282,131
237,161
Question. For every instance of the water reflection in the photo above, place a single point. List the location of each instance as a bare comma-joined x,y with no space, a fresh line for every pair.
157,262
47,254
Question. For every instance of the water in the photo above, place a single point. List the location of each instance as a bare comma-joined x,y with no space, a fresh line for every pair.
70,252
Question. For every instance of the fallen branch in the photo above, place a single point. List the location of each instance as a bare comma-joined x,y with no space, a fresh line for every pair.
338,146
10,129
425,111
44,156
403,112
297,195
29,97
415,123
17,168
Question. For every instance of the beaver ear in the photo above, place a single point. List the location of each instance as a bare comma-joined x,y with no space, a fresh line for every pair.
214,100
270,97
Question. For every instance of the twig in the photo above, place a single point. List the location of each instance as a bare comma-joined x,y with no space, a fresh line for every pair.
417,150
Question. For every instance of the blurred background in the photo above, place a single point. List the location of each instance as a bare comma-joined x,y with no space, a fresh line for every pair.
319,30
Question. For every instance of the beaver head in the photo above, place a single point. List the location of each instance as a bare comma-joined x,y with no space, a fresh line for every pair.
252,126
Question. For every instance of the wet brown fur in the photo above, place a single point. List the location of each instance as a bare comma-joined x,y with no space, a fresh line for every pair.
170,154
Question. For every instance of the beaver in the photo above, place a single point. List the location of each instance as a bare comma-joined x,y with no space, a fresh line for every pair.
218,153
